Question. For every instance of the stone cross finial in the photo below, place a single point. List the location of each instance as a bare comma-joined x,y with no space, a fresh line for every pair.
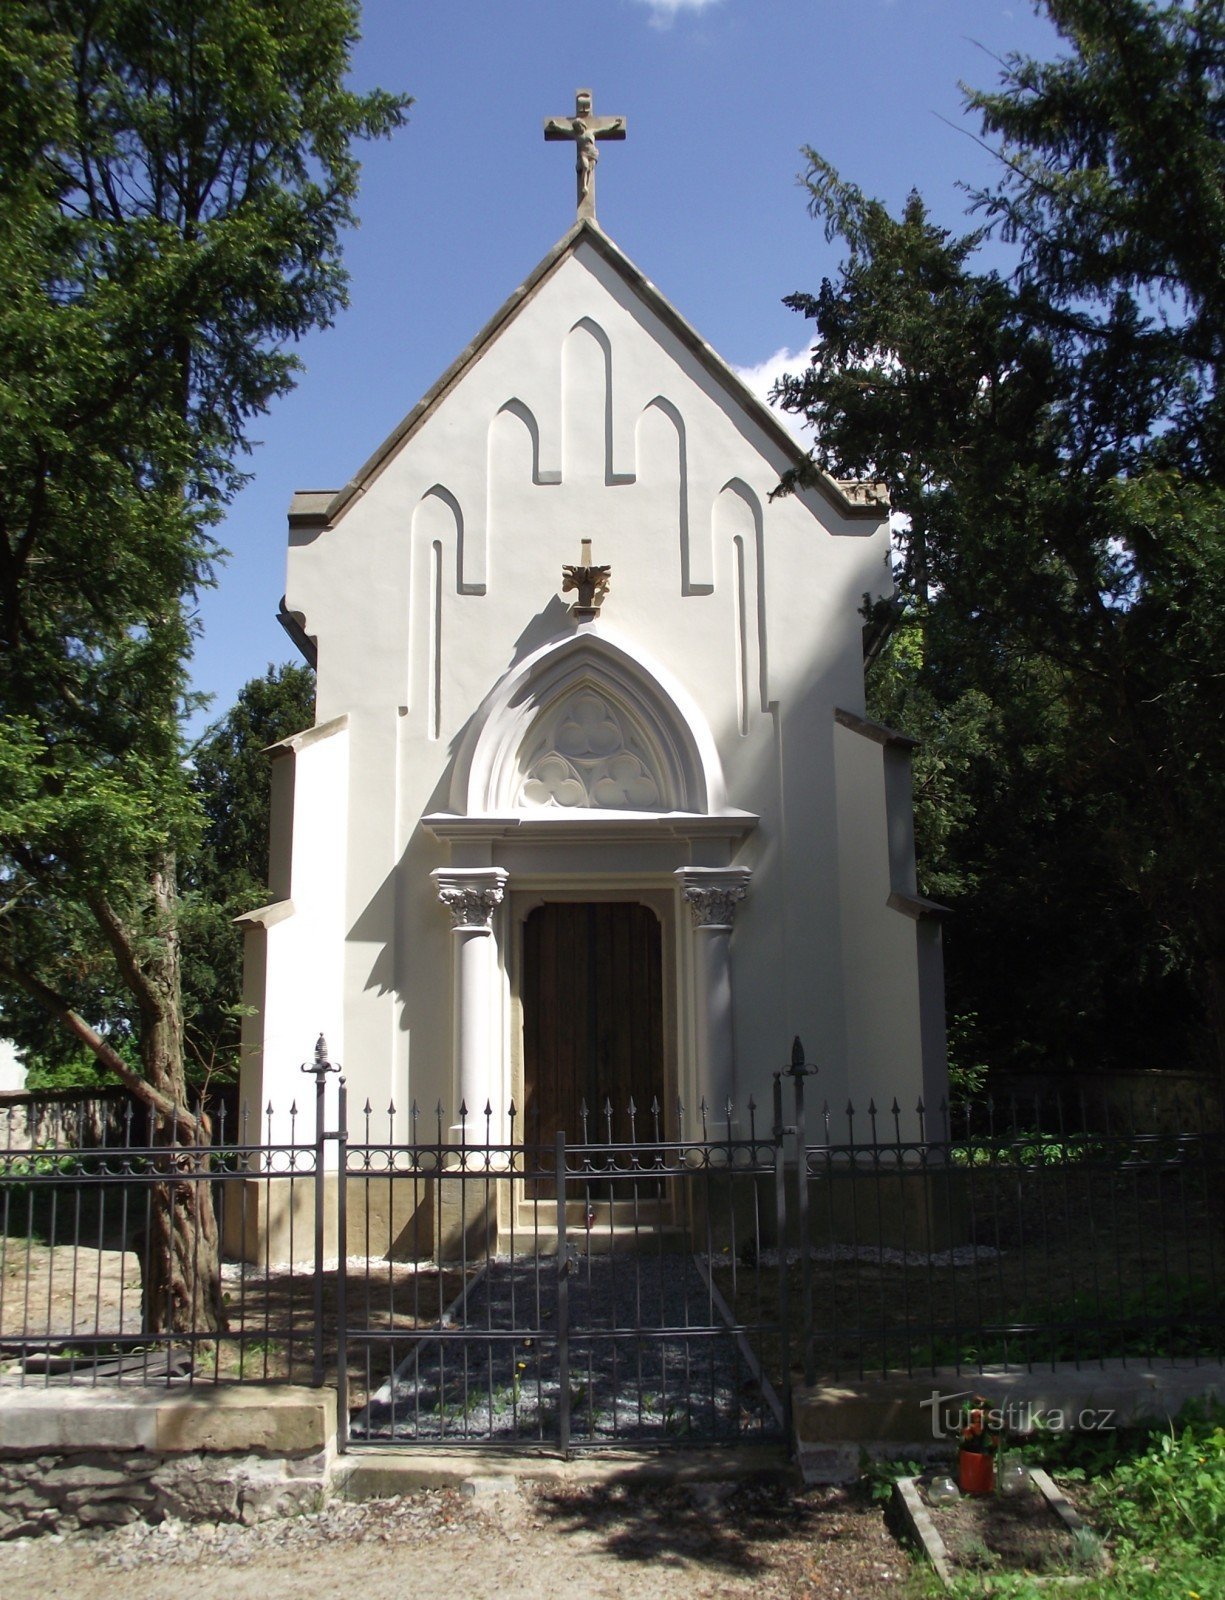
585,128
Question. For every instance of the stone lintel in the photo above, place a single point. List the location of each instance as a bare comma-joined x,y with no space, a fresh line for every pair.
599,826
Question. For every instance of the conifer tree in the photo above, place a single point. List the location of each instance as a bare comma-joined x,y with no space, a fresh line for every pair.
1053,434
174,182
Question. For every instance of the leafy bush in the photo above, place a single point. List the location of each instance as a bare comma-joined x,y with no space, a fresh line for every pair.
1176,1488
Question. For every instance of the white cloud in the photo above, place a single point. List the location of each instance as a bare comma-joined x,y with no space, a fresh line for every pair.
762,378
665,12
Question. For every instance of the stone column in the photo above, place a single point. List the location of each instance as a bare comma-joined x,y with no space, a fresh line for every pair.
712,894
472,895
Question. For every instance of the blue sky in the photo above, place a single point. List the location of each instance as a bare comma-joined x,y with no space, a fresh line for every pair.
719,95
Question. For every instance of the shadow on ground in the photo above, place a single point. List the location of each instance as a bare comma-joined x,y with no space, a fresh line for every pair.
728,1526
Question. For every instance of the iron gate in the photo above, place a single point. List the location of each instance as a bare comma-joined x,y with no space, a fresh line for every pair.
564,1295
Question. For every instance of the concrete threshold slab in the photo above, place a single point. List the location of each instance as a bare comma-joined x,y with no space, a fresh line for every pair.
372,1474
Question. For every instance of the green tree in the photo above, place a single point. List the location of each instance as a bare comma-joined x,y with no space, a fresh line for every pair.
176,179
1054,436
227,872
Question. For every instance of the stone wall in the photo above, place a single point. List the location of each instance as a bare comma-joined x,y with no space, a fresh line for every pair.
91,1119
57,1493
98,1457
66,1119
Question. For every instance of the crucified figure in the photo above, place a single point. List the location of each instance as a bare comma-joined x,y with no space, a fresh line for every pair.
584,128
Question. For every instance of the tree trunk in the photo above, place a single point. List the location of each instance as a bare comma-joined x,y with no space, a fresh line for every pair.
181,1259
180,1251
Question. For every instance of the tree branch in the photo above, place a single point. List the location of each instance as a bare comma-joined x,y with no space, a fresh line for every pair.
56,1006
120,941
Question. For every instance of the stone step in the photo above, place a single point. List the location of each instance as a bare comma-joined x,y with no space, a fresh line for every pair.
582,1214
600,1239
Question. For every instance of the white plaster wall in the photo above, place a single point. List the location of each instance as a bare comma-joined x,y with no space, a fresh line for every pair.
586,416
884,1054
12,1068
295,961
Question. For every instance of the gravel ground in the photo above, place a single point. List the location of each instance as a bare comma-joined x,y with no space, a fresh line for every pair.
615,1538
55,1292
488,1384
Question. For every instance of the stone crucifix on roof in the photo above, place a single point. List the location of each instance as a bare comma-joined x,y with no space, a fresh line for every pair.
585,128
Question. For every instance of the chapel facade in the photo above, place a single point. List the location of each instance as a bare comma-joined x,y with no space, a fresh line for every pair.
591,812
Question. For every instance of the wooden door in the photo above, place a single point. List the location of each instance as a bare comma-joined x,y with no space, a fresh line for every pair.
592,990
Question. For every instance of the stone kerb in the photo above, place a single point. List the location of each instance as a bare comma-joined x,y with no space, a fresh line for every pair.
893,1416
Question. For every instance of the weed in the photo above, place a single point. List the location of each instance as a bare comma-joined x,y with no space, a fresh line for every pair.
878,1476
1087,1551
677,1420
251,1358
976,1554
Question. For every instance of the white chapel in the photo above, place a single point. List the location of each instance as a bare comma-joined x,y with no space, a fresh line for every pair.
591,812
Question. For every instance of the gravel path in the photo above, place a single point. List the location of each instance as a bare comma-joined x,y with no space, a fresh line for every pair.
614,1539
495,1375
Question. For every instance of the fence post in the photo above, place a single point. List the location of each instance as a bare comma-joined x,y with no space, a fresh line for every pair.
342,1252
780,1220
319,1069
799,1071
563,1304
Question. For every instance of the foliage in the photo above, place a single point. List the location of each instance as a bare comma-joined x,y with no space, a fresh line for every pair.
72,1068
176,178
879,1474
1177,1487
967,1074
1168,1318
1054,438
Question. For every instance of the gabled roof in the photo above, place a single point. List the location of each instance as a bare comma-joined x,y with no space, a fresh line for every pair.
323,508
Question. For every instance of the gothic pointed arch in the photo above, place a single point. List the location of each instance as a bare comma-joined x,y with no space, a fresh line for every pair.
584,725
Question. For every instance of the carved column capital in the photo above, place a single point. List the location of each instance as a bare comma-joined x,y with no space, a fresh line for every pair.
471,895
712,893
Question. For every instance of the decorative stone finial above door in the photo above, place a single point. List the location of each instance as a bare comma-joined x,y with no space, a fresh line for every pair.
585,128
591,582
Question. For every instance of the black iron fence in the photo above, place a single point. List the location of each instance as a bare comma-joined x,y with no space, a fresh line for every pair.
84,1259
649,1278
1019,1232
563,1292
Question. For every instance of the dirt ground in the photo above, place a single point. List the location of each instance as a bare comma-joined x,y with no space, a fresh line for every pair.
615,1539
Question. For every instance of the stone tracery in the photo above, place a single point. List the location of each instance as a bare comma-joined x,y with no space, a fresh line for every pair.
589,755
